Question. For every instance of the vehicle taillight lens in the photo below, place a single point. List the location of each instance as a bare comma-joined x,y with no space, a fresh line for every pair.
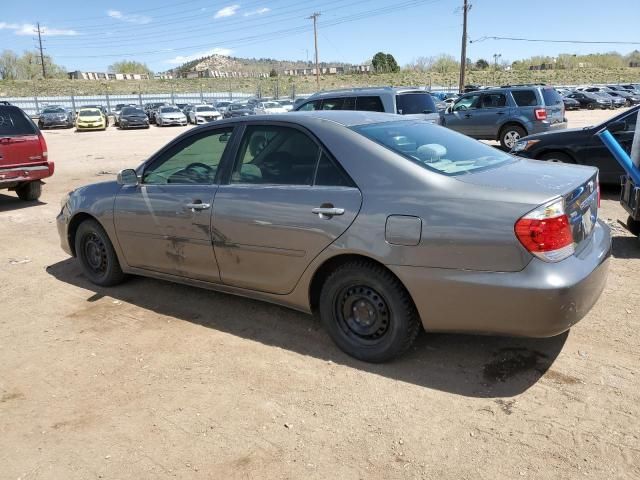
43,146
541,114
546,232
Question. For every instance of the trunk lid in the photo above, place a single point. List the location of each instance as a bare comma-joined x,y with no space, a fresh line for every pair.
553,105
539,182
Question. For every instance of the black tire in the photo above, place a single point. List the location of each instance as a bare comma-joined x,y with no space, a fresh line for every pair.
557,157
590,106
511,134
367,312
633,226
97,256
29,192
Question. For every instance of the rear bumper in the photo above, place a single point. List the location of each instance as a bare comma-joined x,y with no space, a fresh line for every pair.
544,126
542,300
19,174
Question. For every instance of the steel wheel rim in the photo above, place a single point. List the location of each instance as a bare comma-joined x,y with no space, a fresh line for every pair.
510,138
95,253
362,313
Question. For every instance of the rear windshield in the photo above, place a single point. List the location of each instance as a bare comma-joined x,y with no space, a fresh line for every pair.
434,148
411,103
525,98
89,113
551,97
14,122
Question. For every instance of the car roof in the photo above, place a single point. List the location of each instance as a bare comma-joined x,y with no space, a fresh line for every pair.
350,92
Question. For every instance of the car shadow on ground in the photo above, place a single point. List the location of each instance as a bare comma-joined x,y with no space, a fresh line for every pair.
473,366
9,203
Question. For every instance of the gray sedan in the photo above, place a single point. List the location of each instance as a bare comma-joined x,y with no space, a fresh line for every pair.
378,224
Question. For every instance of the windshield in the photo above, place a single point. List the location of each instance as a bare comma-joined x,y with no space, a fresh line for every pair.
204,109
133,111
90,113
285,102
54,110
271,105
434,148
238,106
169,110
412,103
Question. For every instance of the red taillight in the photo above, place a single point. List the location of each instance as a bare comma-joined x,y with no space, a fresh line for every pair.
540,113
546,232
43,146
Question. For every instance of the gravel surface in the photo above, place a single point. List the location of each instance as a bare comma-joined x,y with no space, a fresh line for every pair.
155,380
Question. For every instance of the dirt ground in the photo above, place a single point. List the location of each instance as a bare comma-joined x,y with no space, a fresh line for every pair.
155,380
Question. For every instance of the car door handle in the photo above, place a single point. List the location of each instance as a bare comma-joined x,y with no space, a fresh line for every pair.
198,206
327,212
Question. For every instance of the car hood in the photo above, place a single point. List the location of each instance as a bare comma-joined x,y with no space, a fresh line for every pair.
208,113
564,133
538,181
53,115
137,115
90,119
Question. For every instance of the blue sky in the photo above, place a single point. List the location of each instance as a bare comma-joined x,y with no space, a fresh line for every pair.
163,33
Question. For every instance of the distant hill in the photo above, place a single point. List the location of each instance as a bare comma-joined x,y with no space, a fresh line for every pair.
255,65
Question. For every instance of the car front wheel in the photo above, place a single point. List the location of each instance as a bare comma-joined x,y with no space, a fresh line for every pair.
96,254
367,312
510,136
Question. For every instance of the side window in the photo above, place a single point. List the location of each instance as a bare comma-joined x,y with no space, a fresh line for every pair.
349,103
331,175
333,104
195,160
314,105
271,154
525,98
369,104
494,100
469,102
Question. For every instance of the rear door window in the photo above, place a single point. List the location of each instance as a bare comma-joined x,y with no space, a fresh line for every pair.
369,104
413,103
494,100
525,98
333,104
13,122
328,174
551,97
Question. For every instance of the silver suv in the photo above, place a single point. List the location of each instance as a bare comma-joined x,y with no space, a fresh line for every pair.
506,114
411,102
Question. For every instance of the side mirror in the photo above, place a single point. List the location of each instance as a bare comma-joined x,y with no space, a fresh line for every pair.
618,126
449,109
128,176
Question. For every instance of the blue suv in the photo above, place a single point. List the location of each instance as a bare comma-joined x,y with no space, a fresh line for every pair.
506,114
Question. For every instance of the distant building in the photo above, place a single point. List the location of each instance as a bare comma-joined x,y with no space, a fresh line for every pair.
78,75
634,64
209,73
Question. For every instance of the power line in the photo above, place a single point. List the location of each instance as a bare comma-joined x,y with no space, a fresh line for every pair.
286,16
591,42
276,34
145,10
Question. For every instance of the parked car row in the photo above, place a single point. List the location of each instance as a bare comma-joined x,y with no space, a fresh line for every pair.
600,97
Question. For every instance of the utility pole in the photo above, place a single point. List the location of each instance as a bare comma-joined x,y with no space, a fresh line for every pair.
314,17
44,71
463,55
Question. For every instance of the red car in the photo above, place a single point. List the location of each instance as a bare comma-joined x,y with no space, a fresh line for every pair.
23,154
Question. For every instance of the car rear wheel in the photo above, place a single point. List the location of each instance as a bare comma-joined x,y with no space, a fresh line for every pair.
510,135
590,106
557,157
96,254
29,192
367,312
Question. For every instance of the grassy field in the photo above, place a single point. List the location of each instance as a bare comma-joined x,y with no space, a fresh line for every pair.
285,85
